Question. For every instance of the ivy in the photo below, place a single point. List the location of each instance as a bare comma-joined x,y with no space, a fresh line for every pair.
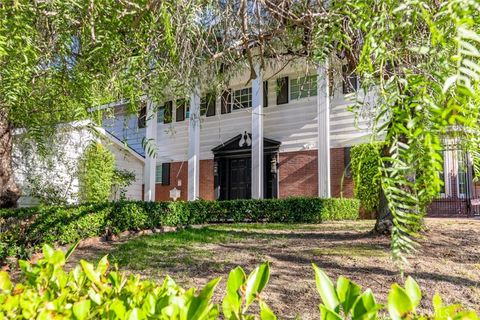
365,160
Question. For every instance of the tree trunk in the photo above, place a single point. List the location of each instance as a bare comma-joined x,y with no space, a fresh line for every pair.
384,222
9,191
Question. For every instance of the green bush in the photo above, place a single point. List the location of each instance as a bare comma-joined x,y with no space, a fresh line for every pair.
95,292
96,173
25,230
365,164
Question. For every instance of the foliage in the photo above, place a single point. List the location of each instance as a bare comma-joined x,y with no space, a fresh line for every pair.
420,61
93,292
24,230
345,300
96,173
365,164
120,181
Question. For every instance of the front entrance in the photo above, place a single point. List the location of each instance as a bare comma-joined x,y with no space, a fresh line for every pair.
240,179
233,168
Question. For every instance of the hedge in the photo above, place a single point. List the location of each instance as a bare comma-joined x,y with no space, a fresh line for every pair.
25,230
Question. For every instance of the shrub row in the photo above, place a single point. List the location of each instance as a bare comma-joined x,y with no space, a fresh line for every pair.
24,230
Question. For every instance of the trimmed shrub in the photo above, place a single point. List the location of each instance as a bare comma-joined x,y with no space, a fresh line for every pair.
25,230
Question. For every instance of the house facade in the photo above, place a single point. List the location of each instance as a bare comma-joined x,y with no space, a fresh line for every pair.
286,133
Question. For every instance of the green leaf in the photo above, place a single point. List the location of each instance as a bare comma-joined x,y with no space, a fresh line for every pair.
347,292
71,249
365,307
327,314
266,313
232,300
256,282
399,303
5,283
103,265
413,291
81,309
90,272
325,289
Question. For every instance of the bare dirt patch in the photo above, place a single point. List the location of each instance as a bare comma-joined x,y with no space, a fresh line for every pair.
448,261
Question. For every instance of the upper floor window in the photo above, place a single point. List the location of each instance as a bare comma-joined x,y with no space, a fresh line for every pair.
350,79
142,117
207,105
242,98
164,113
303,87
182,110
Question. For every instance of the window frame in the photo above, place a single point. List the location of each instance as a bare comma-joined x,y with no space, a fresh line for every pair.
249,94
290,87
159,165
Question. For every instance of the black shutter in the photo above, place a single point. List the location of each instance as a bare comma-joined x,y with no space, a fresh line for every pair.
282,95
349,79
265,94
142,117
211,102
180,111
226,101
167,116
346,162
165,174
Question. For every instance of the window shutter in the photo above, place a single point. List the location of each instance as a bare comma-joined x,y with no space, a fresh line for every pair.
165,174
167,115
142,117
211,103
226,102
265,94
180,110
282,95
346,162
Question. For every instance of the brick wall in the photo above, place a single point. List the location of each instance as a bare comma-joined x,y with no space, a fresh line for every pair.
180,172
298,174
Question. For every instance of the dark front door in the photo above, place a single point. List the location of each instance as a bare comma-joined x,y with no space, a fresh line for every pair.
240,178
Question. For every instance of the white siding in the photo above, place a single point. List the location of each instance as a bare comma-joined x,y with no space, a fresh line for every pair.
58,170
293,124
126,161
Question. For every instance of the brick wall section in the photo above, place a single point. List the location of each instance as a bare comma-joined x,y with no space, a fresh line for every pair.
206,180
298,174
180,172
337,167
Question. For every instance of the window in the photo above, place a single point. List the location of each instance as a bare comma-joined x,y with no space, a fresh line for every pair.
158,173
242,98
162,174
167,113
207,105
350,81
161,114
181,110
346,162
142,117
303,87
226,102
282,87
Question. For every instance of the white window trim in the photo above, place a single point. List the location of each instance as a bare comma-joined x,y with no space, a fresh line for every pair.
296,77
233,110
161,173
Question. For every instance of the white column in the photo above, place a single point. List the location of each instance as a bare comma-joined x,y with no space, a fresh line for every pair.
257,135
194,146
323,144
150,152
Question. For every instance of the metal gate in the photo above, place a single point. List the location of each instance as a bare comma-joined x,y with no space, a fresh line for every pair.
460,196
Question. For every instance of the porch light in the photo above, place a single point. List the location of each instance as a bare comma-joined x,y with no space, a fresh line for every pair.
273,164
